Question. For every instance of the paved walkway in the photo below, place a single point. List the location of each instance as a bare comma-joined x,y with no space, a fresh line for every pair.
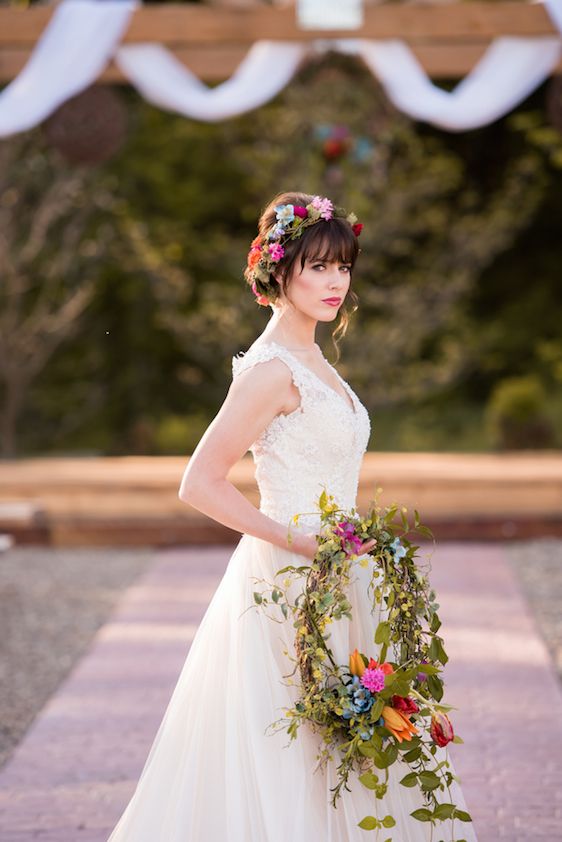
75,770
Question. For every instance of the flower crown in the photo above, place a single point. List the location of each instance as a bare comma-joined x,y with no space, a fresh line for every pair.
291,220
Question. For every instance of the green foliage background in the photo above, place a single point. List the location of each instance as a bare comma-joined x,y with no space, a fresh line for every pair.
459,278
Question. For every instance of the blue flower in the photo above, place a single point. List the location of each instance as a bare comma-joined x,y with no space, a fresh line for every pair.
360,699
285,213
398,550
366,735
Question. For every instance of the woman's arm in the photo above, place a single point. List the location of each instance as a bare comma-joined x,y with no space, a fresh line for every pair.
254,398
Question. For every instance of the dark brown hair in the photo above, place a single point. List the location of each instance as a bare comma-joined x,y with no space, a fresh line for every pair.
331,240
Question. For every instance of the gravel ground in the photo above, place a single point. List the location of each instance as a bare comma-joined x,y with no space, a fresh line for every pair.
52,601
538,567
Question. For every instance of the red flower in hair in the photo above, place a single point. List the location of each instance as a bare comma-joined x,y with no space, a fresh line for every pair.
357,228
298,210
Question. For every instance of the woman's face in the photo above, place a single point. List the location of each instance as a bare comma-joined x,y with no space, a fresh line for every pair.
320,289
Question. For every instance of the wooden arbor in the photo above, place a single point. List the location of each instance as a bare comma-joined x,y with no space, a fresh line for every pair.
211,40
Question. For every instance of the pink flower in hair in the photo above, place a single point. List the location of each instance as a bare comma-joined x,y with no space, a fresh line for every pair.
298,210
324,206
276,252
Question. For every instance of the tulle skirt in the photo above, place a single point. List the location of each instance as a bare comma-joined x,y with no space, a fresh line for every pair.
213,773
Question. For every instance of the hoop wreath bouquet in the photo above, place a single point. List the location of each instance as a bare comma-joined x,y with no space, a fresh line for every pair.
384,706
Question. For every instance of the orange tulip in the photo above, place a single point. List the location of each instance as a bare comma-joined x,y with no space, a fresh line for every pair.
398,724
356,664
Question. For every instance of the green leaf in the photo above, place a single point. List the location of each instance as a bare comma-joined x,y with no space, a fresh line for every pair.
369,823
376,710
422,815
429,780
444,811
435,687
435,624
258,598
410,779
382,634
457,739
425,530
369,780
388,821
368,751
413,754
462,815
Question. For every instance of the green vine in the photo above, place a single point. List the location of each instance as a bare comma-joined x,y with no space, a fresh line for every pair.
371,712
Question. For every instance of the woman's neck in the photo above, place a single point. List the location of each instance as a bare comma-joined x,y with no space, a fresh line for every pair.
296,334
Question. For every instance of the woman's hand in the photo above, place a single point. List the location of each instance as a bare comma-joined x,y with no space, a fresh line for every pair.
307,545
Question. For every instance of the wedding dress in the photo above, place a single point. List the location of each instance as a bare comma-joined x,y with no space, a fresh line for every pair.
213,774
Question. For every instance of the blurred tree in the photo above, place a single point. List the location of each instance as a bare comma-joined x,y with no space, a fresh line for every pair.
449,250
430,228
47,251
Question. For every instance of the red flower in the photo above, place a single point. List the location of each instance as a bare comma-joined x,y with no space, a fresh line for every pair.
441,729
357,228
386,667
334,148
405,704
298,210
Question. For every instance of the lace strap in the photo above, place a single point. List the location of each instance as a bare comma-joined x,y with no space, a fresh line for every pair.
262,353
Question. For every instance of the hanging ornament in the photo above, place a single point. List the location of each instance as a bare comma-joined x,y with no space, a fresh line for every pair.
89,128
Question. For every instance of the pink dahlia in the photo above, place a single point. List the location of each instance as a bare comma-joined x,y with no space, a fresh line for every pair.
373,680
276,251
324,206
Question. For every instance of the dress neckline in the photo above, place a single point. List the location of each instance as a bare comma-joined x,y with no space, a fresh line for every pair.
327,386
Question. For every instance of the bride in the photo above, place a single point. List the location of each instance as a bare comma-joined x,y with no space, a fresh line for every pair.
213,774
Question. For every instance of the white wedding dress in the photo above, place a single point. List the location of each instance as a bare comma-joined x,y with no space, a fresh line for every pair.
213,774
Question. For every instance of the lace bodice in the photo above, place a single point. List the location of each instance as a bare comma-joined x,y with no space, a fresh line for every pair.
318,445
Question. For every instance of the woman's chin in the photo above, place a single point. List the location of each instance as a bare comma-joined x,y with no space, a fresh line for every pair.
328,317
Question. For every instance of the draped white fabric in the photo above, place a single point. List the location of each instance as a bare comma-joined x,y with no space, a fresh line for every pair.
84,34
163,80
81,37
510,70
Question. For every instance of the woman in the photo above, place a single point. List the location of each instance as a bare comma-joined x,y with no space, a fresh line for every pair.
213,773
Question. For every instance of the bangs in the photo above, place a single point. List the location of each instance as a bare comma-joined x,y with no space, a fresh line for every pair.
332,242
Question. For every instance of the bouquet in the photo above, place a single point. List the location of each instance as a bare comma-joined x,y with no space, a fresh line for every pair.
384,706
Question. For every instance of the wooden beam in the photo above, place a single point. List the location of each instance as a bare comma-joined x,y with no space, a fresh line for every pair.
215,64
212,41
184,24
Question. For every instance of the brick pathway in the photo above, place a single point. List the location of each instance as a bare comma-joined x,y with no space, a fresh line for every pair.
75,770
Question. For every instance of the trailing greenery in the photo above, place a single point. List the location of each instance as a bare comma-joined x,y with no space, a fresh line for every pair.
385,707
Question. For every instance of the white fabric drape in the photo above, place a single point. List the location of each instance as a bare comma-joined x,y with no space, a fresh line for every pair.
163,80
84,34
509,71
79,40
